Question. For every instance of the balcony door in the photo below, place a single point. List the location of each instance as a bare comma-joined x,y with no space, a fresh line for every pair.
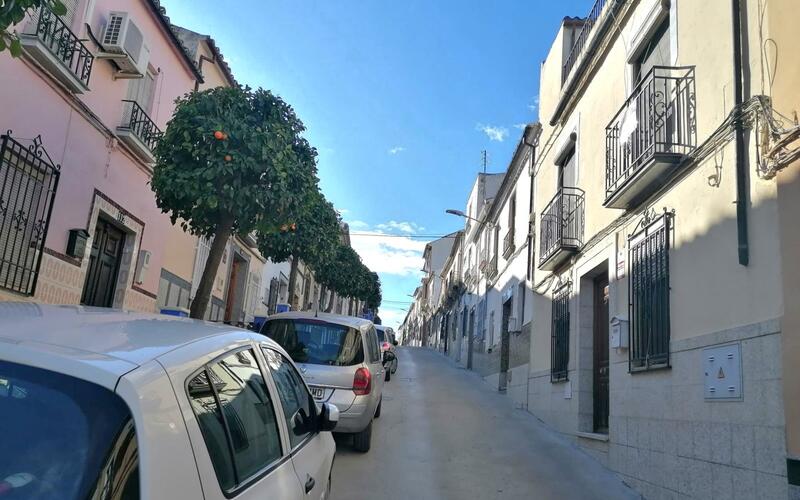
142,90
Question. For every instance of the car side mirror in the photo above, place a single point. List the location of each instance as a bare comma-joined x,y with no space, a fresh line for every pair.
395,343
388,356
328,417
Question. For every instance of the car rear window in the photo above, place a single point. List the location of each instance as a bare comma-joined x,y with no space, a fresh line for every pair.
63,438
381,335
317,342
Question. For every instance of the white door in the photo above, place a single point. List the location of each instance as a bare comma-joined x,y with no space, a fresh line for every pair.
312,451
234,426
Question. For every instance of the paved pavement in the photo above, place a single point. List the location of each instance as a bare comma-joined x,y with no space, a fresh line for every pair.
444,434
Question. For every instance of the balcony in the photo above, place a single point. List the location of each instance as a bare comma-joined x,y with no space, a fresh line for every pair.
649,137
582,38
491,267
139,131
49,41
561,228
508,243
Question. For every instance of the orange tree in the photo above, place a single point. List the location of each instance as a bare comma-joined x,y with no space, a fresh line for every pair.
13,12
232,160
311,237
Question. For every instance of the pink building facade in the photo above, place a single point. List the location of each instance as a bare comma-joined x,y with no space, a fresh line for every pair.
78,220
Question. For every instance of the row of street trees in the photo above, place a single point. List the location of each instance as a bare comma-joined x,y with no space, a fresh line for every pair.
234,161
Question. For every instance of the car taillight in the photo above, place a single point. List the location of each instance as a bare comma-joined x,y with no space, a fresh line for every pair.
386,346
362,382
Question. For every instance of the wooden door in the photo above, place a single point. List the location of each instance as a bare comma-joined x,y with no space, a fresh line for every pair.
104,259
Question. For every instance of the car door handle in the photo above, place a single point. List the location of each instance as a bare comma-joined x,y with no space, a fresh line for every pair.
310,484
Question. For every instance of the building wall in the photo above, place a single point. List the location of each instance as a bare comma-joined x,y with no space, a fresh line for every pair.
661,427
100,177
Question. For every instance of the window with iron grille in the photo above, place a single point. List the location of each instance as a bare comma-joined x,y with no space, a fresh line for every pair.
648,282
28,182
559,342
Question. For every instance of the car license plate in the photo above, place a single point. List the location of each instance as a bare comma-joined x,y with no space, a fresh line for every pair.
318,392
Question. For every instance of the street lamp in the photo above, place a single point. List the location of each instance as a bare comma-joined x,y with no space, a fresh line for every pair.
459,213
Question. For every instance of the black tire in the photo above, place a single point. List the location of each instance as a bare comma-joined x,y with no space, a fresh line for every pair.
394,367
363,440
378,409
388,375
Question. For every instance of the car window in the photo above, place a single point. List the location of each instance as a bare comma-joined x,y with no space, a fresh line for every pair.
294,397
72,439
237,418
372,341
317,342
381,335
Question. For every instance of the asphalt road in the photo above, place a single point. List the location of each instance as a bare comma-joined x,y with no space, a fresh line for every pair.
444,434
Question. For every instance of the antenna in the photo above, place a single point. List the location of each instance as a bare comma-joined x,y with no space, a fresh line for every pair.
484,160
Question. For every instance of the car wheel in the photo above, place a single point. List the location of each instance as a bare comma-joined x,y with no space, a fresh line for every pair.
388,375
394,367
378,410
363,440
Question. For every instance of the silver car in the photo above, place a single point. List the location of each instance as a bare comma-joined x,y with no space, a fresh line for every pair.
341,360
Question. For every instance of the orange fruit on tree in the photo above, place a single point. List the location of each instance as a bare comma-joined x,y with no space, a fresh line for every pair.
219,135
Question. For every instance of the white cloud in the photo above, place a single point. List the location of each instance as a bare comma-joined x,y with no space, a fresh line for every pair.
520,126
396,149
391,317
403,227
534,105
386,249
494,133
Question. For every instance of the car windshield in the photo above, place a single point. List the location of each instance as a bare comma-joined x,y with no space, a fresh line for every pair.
63,438
317,342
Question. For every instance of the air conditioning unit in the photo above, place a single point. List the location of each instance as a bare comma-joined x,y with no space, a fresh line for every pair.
142,265
124,44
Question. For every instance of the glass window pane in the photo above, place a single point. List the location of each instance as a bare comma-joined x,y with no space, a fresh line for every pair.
317,342
294,396
245,411
209,419
72,439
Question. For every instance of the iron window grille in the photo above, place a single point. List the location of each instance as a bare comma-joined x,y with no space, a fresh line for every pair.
658,118
648,282
137,121
28,184
562,223
559,341
54,33
508,243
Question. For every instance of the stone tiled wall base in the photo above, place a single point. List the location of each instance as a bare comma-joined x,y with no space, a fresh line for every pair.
137,301
59,282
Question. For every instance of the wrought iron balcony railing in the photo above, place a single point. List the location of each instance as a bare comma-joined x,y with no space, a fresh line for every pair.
54,35
491,268
561,229
135,120
583,36
508,243
652,132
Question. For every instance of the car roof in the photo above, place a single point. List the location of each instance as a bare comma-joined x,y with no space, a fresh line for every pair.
339,319
107,334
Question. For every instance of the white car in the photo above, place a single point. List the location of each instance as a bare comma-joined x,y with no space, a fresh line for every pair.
102,404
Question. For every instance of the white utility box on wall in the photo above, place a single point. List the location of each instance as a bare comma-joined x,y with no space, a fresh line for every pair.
619,333
722,366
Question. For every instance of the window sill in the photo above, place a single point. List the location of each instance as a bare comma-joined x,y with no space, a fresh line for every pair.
653,368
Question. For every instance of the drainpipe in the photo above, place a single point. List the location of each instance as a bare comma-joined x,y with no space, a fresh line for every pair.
738,127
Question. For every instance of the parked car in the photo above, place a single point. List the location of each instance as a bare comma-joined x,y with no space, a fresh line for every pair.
341,360
96,403
388,343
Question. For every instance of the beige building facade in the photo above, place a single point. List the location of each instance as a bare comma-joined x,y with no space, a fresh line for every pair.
659,329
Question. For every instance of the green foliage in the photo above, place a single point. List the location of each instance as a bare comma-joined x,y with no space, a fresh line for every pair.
348,276
233,155
13,12
312,237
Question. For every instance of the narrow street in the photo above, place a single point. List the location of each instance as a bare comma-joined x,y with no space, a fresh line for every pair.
444,434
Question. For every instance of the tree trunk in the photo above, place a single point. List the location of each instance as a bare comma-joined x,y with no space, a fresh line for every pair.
331,302
203,295
293,282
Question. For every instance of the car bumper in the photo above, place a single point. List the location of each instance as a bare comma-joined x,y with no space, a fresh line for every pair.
355,419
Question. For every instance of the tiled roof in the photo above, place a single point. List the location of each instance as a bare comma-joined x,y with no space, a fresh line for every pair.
161,14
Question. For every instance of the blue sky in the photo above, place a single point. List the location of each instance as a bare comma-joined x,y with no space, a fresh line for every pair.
400,98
